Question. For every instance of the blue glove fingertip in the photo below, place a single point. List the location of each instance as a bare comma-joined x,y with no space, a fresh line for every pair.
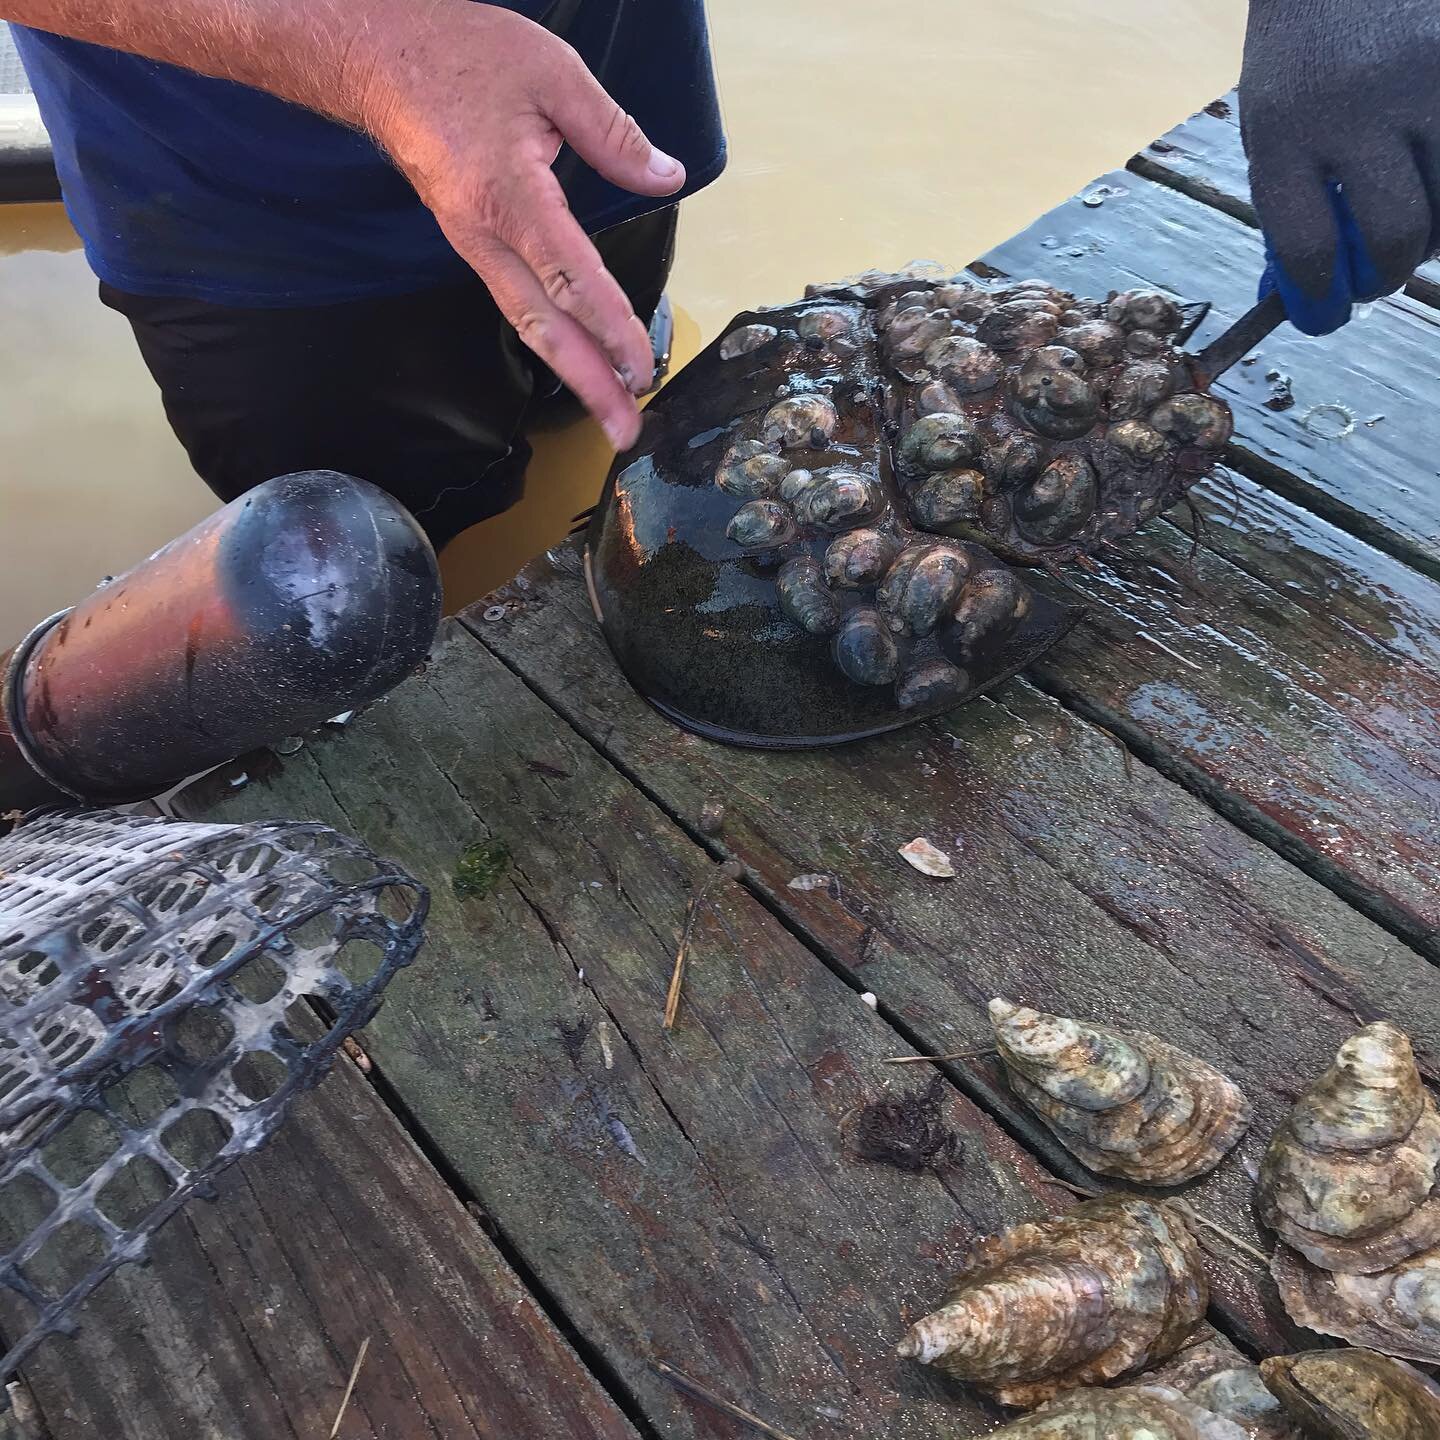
1307,314
1365,279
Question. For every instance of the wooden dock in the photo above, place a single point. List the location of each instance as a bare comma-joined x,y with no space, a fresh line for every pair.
1213,813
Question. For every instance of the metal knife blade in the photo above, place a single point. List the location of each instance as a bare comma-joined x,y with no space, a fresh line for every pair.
1239,340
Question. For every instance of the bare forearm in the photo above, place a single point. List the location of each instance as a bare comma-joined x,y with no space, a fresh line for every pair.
318,53
472,102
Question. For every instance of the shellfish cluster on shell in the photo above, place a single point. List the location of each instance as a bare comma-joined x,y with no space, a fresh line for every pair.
1025,424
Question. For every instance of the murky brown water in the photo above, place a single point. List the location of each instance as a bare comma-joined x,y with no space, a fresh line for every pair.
860,135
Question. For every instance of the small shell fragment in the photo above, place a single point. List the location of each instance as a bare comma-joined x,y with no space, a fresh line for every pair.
928,859
810,882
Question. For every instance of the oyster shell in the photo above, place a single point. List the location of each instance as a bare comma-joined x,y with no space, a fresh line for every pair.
1355,1395
1349,1179
1122,1102
1396,1310
1134,1412
1215,1375
1074,1300
909,406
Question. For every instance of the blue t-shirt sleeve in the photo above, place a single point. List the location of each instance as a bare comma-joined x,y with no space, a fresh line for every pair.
180,184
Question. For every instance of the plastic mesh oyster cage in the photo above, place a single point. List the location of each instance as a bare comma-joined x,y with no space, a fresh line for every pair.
151,977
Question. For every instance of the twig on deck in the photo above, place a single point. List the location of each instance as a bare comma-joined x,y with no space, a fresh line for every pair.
1174,654
953,1055
1079,1190
700,1392
1121,746
730,870
1244,1246
350,1387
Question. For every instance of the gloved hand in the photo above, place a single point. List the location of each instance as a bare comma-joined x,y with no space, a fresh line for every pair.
1340,112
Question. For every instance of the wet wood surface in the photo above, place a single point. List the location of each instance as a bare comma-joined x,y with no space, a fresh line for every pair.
1375,376
249,1317
1289,672
689,1197
1210,814
1089,883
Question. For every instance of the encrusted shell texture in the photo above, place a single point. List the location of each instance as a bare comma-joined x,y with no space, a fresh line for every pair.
1134,1412
1355,1395
1215,1375
1075,1300
1396,1310
1349,1178
762,568
1080,419
1122,1102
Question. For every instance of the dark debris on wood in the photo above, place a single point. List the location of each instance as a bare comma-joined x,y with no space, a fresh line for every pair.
907,1131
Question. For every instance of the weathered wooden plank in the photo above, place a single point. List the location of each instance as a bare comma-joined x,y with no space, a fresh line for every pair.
249,1316
1378,480
1203,157
1088,884
1289,672
684,1196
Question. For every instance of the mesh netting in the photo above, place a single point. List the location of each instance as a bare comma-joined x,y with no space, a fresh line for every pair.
161,989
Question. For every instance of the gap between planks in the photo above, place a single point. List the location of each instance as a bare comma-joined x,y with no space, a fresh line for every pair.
1244,816
591,1357
1138,746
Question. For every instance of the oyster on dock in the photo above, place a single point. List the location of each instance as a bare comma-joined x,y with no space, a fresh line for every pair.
1355,1395
1396,1311
814,538
1349,1178
1216,1376
1122,1102
1133,1412
1066,1302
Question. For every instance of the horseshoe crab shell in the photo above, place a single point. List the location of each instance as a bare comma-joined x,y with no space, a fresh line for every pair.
1074,1300
1349,1179
1122,1102
1396,1311
1134,1412
786,452
1355,1395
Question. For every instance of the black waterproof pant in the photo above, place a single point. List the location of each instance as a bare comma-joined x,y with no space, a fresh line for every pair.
425,395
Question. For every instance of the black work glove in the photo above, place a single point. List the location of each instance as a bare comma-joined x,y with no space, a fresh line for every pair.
1340,111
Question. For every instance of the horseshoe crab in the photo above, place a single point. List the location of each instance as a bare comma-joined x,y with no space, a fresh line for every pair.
813,540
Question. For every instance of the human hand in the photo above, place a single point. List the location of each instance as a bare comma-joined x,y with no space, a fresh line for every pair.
1340,109
473,104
